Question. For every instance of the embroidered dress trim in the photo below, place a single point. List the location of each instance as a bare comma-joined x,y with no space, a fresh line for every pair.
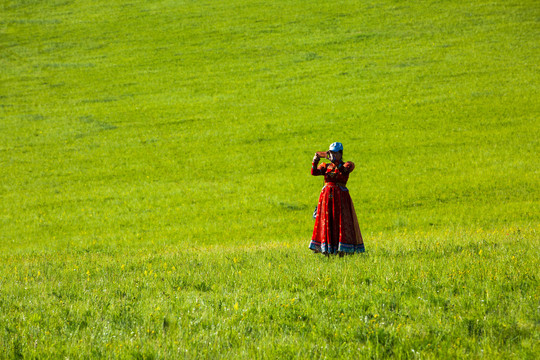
346,248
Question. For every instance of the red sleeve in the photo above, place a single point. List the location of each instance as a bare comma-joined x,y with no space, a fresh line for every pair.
318,170
349,166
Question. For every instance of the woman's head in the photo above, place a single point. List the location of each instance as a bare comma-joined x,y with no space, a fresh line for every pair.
335,152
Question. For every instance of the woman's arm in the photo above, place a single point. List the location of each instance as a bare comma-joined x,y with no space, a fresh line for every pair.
317,169
348,166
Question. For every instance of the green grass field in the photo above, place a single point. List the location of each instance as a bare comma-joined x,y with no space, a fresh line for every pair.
156,200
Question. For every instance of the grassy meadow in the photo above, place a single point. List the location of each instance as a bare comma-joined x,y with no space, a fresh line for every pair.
156,200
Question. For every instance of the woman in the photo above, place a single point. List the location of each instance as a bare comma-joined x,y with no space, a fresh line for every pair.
336,225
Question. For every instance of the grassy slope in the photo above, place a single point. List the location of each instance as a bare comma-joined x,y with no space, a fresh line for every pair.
137,112
129,124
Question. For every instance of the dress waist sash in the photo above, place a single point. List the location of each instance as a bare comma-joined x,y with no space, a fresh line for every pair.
335,184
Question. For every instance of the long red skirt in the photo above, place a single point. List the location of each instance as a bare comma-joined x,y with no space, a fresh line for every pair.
336,225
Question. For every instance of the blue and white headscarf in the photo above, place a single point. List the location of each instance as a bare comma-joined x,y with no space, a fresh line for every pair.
335,147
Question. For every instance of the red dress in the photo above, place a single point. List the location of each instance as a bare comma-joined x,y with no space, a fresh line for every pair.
336,225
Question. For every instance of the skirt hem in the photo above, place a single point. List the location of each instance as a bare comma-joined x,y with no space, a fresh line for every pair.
341,248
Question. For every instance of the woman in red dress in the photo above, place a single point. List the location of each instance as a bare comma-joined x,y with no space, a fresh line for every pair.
336,225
